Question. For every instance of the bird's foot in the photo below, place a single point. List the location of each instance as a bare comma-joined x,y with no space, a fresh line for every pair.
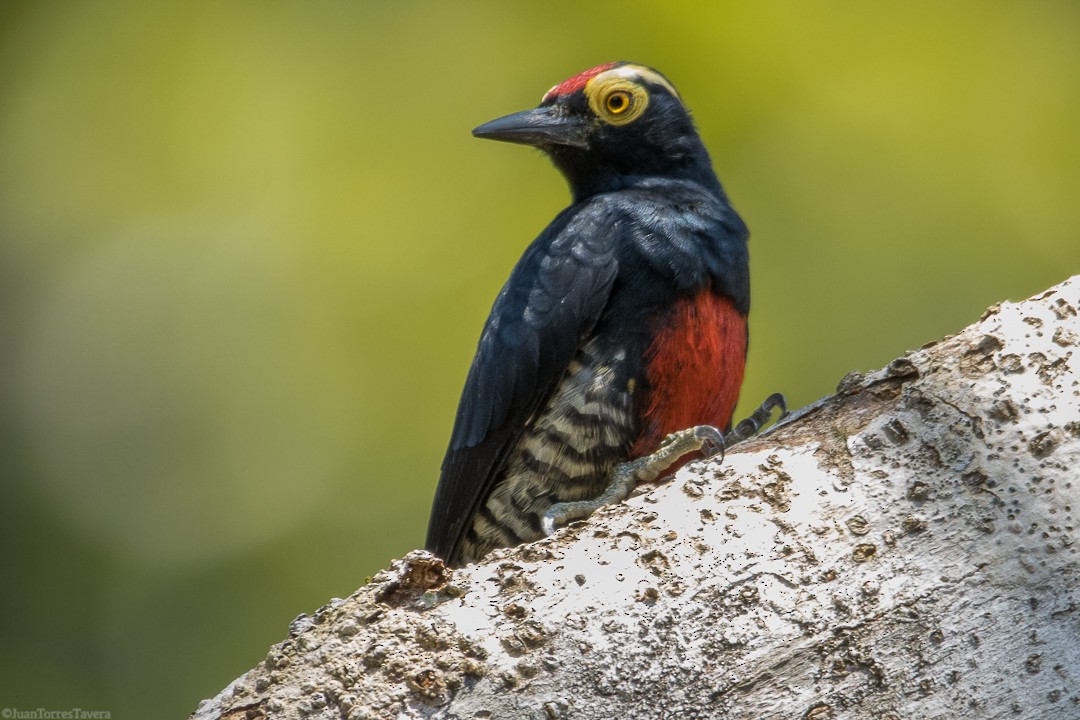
625,477
750,427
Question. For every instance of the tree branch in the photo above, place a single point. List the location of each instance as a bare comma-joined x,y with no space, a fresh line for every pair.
905,548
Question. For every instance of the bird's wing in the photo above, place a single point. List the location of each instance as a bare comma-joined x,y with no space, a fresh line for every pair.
550,304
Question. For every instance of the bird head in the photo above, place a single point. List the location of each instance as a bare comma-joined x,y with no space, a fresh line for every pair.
609,126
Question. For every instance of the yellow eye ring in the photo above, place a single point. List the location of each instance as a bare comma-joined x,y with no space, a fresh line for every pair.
616,100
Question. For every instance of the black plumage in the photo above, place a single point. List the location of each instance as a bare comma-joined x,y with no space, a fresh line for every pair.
555,394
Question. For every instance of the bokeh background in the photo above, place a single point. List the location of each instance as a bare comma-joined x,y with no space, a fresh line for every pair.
246,249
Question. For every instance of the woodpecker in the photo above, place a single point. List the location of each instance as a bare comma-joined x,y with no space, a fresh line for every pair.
617,345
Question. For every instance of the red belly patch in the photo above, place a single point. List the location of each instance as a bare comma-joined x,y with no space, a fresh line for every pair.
694,368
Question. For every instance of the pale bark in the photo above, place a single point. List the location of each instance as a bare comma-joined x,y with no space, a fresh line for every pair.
906,548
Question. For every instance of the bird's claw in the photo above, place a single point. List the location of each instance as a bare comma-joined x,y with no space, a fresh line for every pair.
750,426
561,513
712,441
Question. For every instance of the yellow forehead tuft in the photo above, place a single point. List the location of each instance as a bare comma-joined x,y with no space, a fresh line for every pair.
635,73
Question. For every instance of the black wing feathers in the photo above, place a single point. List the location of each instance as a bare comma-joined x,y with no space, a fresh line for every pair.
552,301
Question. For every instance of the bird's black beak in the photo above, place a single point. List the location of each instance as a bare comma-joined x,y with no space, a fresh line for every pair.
539,127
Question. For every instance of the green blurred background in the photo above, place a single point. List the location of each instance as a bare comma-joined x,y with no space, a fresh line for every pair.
246,249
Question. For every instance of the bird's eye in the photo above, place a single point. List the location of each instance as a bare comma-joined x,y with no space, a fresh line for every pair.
618,102
615,99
